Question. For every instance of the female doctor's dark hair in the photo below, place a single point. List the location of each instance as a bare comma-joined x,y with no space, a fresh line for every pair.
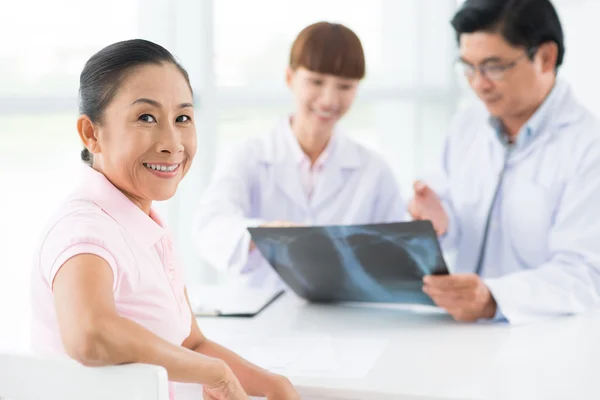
329,48
106,70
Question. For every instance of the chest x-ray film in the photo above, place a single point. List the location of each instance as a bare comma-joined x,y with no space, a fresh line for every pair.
382,263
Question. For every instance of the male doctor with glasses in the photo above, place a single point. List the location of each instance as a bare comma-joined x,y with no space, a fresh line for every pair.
516,192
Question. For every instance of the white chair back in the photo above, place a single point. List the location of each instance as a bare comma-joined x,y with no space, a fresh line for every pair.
27,377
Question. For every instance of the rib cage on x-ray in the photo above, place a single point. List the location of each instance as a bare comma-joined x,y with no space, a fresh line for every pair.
377,263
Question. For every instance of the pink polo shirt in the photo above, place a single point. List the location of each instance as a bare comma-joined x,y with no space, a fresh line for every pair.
148,285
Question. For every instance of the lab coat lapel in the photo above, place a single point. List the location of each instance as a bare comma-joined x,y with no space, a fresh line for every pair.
278,156
331,183
338,169
288,181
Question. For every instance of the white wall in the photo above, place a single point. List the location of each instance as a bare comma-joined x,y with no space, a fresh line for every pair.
580,20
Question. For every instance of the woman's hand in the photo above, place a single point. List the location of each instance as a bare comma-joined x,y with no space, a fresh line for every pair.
227,388
282,389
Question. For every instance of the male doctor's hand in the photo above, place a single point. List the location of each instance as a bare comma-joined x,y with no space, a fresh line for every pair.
426,205
464,296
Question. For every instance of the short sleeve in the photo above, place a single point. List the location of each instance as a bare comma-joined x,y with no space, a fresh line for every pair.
79,234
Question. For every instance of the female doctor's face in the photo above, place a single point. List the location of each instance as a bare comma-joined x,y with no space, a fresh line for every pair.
321,99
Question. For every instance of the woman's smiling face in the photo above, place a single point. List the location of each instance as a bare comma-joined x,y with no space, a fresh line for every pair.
146,139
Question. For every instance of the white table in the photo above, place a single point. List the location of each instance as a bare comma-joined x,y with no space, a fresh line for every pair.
426,355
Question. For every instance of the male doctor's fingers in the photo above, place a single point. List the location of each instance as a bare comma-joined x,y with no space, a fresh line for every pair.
450,295
453,281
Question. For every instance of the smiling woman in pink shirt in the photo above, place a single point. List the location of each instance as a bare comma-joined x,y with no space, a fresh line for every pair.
107,285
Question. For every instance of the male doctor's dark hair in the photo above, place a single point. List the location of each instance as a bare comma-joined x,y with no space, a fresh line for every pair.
522,23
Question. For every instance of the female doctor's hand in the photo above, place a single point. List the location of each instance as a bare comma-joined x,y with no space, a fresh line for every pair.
279,224
274,224
426,205
464,296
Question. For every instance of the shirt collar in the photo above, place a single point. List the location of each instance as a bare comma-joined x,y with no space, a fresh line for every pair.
538,122
145,229
341,152
299,155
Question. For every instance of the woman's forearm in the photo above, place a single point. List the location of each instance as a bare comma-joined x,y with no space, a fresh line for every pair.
255,380
121,341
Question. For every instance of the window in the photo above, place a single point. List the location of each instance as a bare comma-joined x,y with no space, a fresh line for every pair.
44,55
254,51
580,68
37,160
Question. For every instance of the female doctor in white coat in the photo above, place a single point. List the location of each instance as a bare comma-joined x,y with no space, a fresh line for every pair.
305,171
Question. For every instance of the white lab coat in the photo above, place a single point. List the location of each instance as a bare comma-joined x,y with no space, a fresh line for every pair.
261,182
543,248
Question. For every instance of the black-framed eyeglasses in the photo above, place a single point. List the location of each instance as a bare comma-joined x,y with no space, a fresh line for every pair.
493,71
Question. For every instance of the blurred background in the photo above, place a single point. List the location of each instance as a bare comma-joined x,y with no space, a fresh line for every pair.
236,52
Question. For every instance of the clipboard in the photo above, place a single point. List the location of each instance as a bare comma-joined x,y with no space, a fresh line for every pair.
231,300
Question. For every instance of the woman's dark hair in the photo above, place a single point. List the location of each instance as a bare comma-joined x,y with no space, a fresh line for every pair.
106,70
523,23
